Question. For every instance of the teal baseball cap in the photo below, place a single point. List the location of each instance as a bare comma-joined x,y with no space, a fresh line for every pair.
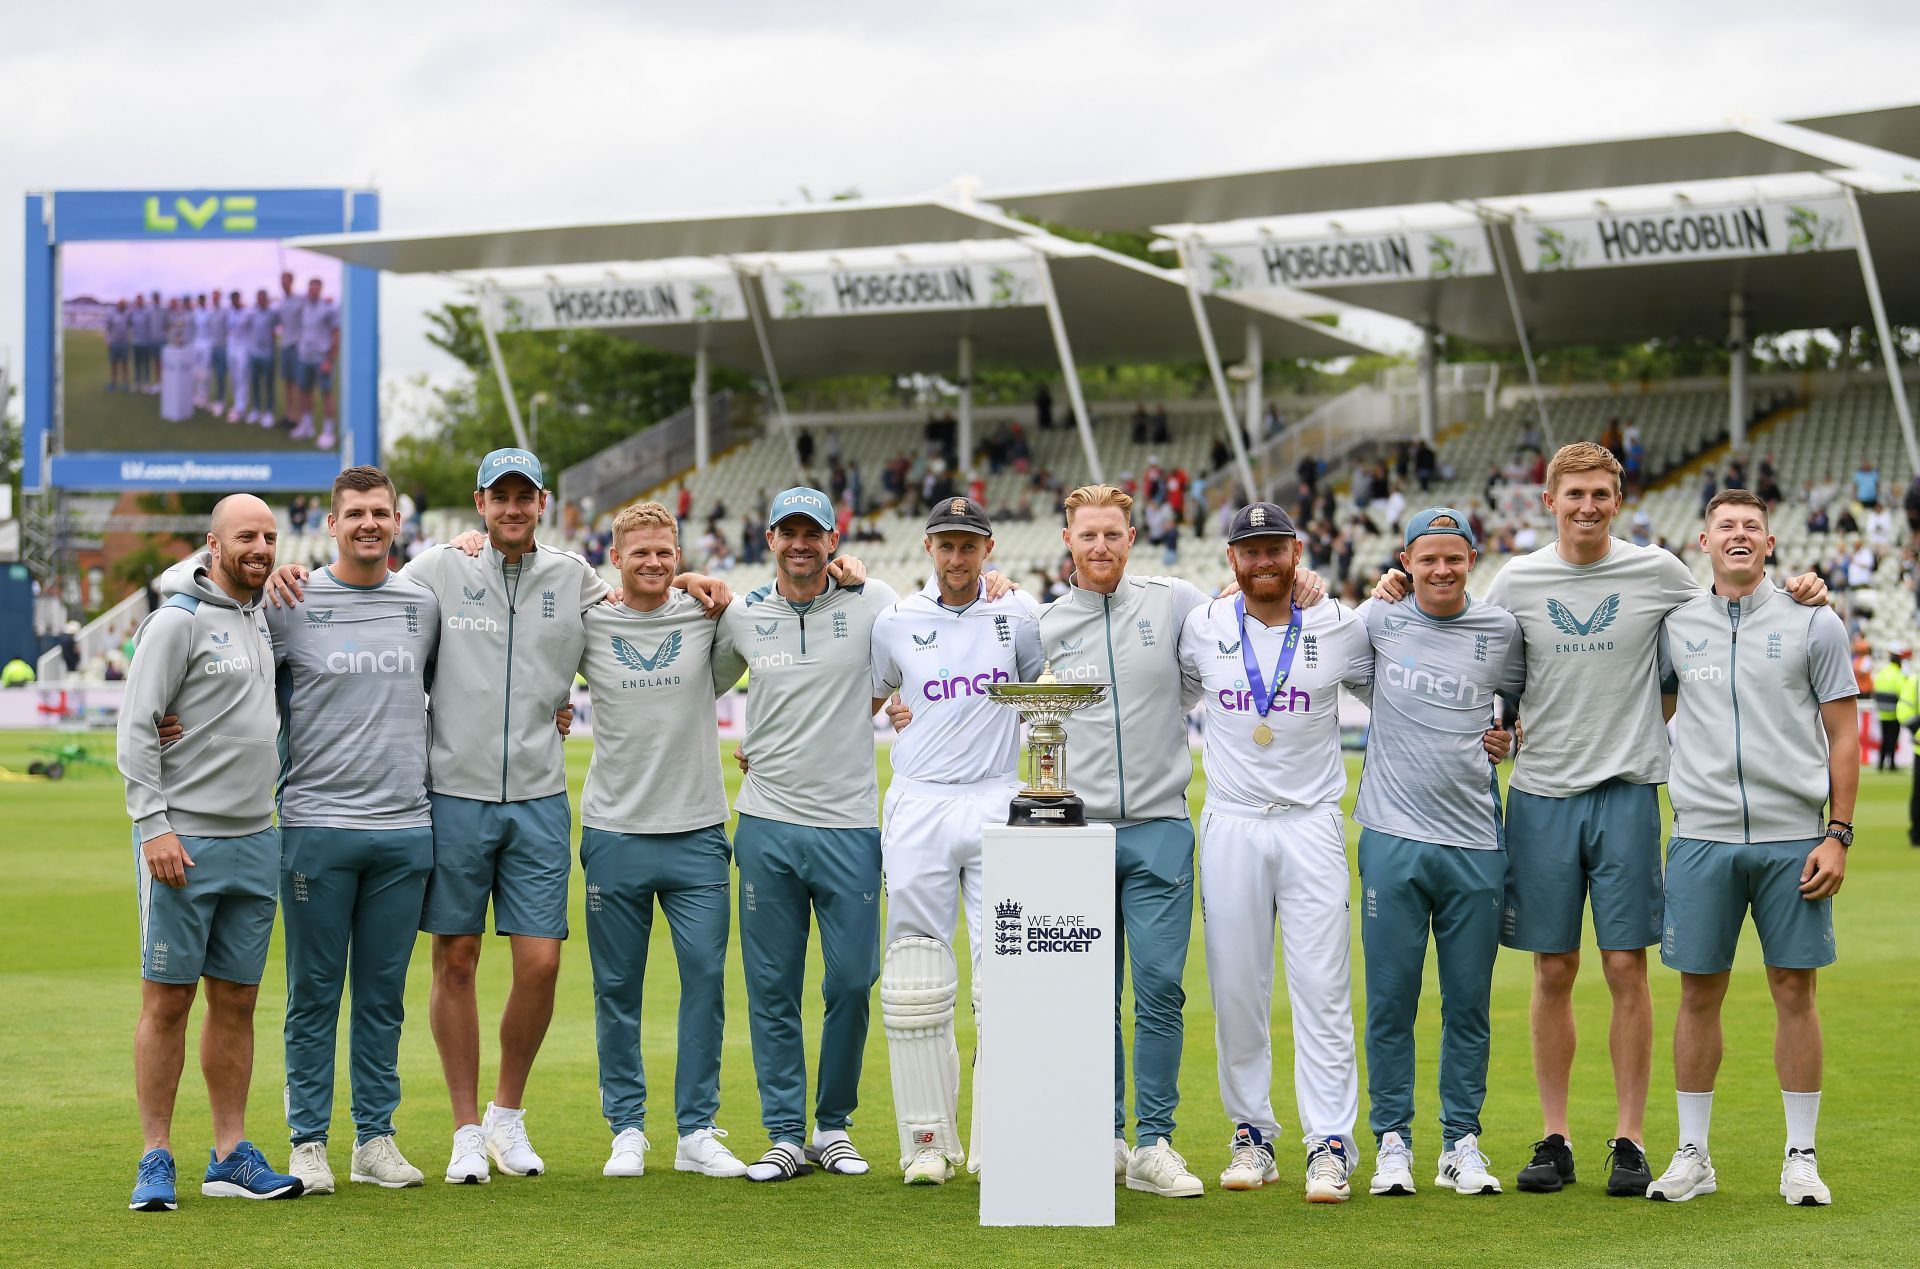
801,501
509,462
1440,520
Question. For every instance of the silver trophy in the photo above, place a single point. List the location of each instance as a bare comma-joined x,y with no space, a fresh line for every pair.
1045,801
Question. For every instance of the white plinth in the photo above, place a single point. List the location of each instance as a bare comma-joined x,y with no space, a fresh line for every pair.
1046,1062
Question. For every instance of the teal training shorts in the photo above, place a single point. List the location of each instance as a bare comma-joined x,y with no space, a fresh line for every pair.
1602,844
1710,886
515,853
220,923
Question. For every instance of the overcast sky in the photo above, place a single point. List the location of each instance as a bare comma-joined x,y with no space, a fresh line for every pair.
487,114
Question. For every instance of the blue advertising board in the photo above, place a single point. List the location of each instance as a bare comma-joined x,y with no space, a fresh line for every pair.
277,390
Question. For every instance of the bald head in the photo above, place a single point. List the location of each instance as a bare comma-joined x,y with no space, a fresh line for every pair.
241,538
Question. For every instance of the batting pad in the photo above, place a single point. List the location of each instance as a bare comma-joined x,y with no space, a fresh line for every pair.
918,985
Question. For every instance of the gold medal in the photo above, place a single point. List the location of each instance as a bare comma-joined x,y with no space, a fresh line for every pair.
1263,735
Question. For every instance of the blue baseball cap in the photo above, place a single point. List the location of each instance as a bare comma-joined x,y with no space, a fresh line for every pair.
801,501
509,462
1440,520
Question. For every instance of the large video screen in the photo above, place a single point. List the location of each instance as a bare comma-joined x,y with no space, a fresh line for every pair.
229,346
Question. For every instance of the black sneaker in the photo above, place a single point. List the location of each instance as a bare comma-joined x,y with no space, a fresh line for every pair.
1630,1176
1552,1166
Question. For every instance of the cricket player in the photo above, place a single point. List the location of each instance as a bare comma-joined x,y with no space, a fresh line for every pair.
954,772
1766,749
205,848
1582,811
239,323
119,333
1432,848
510,642
215,329
1272,843
318,347
354,656
139,328
808,837
260,327
286,311
1131,768
654,815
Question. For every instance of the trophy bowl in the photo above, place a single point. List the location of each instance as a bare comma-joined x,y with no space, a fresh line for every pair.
1045,801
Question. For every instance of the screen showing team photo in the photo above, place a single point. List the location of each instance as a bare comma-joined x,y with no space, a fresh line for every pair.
195,346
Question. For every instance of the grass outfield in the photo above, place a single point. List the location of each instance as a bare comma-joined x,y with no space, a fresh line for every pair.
96,419
68,997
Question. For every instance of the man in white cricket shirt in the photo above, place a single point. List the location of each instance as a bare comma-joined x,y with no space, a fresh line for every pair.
954,772
1273,843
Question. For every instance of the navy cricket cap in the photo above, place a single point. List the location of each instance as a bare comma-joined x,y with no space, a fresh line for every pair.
801,501
509,462
1260,520
959,515
1440,520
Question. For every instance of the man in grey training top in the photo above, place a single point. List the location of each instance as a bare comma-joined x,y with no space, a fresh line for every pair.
1766,745
1432,850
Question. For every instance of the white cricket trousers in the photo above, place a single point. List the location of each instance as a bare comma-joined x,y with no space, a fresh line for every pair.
930,852
1295,869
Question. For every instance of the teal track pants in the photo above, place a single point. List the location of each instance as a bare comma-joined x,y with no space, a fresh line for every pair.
687,873
1154,892
1407,888
788,871
352,900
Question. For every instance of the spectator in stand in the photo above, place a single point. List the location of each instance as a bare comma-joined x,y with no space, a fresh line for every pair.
1911,505
297,514
1380,487
1635,463
1614,441
1395,507
1343,557
1880,528
1736,473
803,443
1164,531
1537,469
1141,423
1043,408
1817,521
1496,479
833,446
1162,431
683,506
1476,524
1846,524
718,513
977,490
1152,479
1424,463
1642,534
1708,487
856,491
1823,494
1177,482
1220,455
1019,451
1308,471
1860,565
1866,484
1271,422
1303,506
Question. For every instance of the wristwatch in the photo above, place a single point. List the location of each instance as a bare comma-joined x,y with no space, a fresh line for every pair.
1840,831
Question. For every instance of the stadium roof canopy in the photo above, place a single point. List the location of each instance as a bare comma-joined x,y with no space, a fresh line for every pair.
1116,310
812,227
1733,151
1683,299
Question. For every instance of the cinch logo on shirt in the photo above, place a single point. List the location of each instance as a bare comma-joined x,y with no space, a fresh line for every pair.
1566,623
770,660
1406,673
485,625
222,664
1239,700
1701,674
352,660
946,688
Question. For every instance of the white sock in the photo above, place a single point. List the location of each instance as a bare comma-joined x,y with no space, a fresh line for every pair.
1696,1113
1803,1115
824,1137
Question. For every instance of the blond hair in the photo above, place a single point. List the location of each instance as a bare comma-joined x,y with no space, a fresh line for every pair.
1098,496
1582,456
644,515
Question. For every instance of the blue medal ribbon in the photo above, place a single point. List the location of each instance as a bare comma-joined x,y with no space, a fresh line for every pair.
1256,686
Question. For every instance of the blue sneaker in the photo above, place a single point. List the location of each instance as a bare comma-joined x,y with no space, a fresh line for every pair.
246,1174
153,1184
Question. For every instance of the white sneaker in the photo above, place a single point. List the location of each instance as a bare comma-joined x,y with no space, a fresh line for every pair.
1251,1165
700,1151
378,1161
304,430
1800,1182
507,1142
1688,1176
326,437
629,1157
1465,1170
1159,1169
1393,1167
1327,1169
309,1162
929,1167
469,1163
1121,1158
